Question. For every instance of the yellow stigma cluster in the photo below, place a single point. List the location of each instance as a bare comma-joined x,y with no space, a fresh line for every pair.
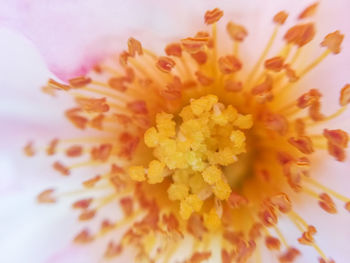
192,154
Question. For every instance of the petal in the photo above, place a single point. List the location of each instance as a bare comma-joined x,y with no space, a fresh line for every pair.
73,35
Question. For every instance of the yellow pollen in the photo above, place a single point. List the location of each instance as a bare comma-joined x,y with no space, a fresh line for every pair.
211,220
195,151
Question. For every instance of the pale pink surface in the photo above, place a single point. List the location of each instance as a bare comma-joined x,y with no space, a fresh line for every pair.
72,34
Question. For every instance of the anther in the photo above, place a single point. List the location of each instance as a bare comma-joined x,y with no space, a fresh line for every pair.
213,16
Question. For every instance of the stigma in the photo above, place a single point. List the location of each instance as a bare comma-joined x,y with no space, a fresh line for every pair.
195,144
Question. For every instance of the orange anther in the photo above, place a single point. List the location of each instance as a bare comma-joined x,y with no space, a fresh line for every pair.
321,260
97,122
347,206
212,16
127,205
290,73
61,168
83,237
46,197
79,82
333,42
101,152
282,202
82,204
106,225
117,83
345,95
337,137
87,215
173,49
199,257
204,79
134,47
308,98
49,90
200,57
113,250
236,32
137,107
236,200
275,64
272,243
301,34
275,122
336,151
195,226
56,85
229,64
315,111
29,149
255,231
280,17
194,44
79,121
268,216
327,204
289,256
302,143
307,237
165,64
51,150
123,58
74,151
93,105
227,257
309,11
299,127
173,89
91,182
264,87
171,222
233,86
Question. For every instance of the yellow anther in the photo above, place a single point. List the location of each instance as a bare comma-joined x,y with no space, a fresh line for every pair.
185,210
244,121
211,220
224,157
222,190
203,104
155,172
197,183
151,137
212,174
195,202
182,176
191,204
195,161
165,125
238,138
231,113
178,191
137,173
186,113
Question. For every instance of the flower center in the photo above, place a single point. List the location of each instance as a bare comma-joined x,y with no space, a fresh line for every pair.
191,155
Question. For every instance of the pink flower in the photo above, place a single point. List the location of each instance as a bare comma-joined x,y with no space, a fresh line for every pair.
63,40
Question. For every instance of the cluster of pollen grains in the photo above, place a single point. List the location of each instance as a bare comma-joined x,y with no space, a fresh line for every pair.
196,150
209,137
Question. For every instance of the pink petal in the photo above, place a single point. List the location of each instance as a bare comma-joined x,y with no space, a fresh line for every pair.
73,35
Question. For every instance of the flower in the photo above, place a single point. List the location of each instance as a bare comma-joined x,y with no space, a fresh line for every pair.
192,147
